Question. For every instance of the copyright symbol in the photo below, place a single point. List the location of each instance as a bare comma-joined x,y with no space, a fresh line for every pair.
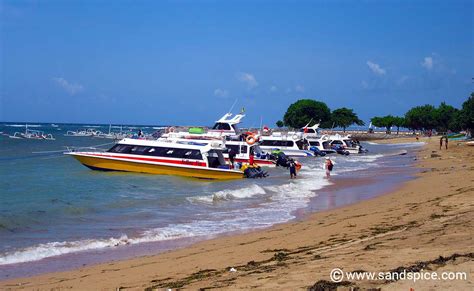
336,275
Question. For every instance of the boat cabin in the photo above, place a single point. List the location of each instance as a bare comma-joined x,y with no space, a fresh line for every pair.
228,124
188,153
294,145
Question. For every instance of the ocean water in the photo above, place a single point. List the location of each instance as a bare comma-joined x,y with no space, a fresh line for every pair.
52,207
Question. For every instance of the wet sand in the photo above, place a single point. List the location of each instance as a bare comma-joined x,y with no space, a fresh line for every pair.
425,218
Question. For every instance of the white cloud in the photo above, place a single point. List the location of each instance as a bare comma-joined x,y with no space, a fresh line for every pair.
273,89
247,78
427,63
376,68
221,93
299,88
71,88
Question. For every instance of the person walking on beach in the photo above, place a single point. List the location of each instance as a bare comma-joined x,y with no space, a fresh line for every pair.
292,169
445,137
328,166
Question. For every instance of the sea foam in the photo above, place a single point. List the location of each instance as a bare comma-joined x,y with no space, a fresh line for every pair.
224,195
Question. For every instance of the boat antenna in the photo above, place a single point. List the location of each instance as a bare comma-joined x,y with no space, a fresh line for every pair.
309,122
261,123
232,107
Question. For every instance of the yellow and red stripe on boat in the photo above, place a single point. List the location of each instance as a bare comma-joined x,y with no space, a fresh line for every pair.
127,163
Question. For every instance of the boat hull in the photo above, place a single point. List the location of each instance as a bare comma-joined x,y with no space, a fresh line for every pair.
106,164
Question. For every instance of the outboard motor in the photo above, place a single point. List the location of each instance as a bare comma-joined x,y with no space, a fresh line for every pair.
316,151
254,173
282,160
340,150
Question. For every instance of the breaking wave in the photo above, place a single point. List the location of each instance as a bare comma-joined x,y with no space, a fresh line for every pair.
229,194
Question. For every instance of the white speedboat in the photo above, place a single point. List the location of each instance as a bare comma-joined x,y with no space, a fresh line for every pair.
292,144
346,143
336,143
330,143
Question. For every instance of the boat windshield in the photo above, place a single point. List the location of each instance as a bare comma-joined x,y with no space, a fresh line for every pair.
302,144
216,159
236,129
221,126
237,149
350,143
326,145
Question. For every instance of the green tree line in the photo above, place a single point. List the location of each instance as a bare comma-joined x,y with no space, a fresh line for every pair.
304,110
427,117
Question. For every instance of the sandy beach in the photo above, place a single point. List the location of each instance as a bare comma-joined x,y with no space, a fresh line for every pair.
426,224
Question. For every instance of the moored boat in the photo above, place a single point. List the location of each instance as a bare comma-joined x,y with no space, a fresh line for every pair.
84,132
292,145
32,134
242,151
197,160
225,127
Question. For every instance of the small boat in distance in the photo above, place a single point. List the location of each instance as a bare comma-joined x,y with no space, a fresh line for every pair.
113,134
85,132
32,134
188,159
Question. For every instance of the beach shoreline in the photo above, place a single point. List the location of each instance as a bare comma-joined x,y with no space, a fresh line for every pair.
339,192
301,252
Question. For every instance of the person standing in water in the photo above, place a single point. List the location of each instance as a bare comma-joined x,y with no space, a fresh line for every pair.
328,165
292,169
231,158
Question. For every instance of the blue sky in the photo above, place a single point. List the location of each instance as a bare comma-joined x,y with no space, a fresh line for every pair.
186,62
